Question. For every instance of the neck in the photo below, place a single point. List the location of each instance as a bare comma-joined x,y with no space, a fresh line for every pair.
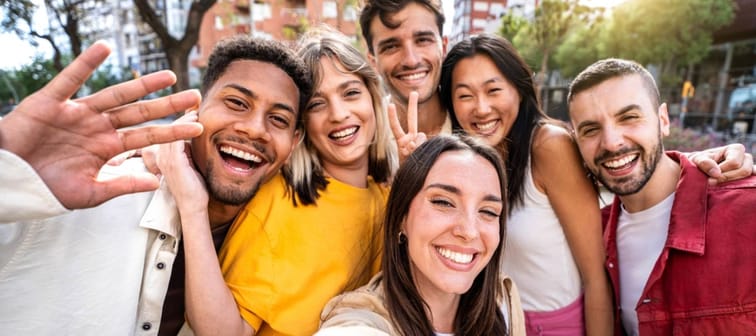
430,115
443,310
354,174
662,183
221,213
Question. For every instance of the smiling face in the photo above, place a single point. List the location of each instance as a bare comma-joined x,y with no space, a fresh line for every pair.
619,132
452,226
340,119
409,56
485,102
249,118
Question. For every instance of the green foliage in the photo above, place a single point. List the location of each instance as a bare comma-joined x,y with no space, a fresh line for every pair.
511,24
659,31
30,78
105,76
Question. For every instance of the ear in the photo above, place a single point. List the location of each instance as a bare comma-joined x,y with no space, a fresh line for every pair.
371,59
298,138
663,119
444,44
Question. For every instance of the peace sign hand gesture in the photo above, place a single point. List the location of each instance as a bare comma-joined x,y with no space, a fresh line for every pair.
409,141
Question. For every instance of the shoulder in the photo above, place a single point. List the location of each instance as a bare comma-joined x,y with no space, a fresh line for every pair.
362,307
550,139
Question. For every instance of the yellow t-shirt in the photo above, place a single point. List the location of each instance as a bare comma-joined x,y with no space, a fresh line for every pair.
283,263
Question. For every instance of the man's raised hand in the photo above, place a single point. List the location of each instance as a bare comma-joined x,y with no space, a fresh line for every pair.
67,141
407,142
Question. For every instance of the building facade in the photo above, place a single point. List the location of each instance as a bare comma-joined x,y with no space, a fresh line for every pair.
283,20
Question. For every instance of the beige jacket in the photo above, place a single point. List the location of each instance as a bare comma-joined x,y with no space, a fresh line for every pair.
363,312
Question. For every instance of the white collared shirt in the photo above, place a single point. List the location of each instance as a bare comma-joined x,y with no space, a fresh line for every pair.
97,271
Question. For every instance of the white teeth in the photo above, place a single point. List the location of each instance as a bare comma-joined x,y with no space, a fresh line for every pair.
620,162
414,76
344,133
240,154
486,126
457,257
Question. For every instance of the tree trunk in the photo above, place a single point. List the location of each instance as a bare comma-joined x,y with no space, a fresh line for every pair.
178,60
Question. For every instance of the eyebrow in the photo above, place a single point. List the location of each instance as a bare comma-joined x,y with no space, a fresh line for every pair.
341,86
393,39
454,190
621,111
488,81
247,92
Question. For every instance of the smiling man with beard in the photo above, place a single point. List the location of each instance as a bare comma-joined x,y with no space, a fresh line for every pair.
680,251
105,270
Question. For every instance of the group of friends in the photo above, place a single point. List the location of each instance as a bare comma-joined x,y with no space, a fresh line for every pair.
406,191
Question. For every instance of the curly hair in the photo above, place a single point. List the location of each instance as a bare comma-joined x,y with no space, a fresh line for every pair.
243,47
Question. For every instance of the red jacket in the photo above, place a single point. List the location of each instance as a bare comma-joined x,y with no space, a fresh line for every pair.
704,282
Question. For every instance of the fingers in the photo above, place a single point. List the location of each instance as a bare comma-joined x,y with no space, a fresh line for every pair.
130,91
734,155
396,126
150,135
412,113
744,170
142,111
65,84
120,158
122,185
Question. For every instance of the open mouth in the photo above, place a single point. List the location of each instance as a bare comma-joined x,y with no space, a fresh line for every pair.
456,257
343,134
239,160
487,126
621,162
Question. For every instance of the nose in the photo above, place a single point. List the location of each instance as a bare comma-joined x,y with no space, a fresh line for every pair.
337,111
410,56
483,105
466,227
612,139
254,126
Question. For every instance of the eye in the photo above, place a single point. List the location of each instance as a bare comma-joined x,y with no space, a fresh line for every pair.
442,202
280,121
389,48
494,90
235,103
315,105
628,117
352,93
426,40
490,213
588,131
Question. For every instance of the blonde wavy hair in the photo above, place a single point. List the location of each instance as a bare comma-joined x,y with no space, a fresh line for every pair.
303,172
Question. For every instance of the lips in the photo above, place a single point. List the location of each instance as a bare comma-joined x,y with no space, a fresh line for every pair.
456,257
343,133
238,159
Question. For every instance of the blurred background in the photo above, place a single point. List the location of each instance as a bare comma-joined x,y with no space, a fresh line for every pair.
701,52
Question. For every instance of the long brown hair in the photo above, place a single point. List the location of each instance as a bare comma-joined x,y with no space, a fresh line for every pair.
478,312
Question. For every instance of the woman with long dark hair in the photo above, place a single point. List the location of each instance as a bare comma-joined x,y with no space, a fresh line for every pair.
554,248
445,221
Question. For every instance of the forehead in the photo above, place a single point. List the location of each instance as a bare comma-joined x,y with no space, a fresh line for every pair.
475,68
610,97
333,74
264,79
465,170
412,18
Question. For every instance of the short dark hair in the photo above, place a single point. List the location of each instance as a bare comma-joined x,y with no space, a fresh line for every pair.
244,47
609,68
478,312
386,9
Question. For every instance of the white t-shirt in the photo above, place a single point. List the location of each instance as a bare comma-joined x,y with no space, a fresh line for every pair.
640,240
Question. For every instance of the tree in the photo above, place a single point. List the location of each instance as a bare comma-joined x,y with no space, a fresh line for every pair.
176,50
19,19
580,48
669,33
553,20
511,24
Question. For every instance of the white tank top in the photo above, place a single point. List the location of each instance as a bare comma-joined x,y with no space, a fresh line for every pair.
537,256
